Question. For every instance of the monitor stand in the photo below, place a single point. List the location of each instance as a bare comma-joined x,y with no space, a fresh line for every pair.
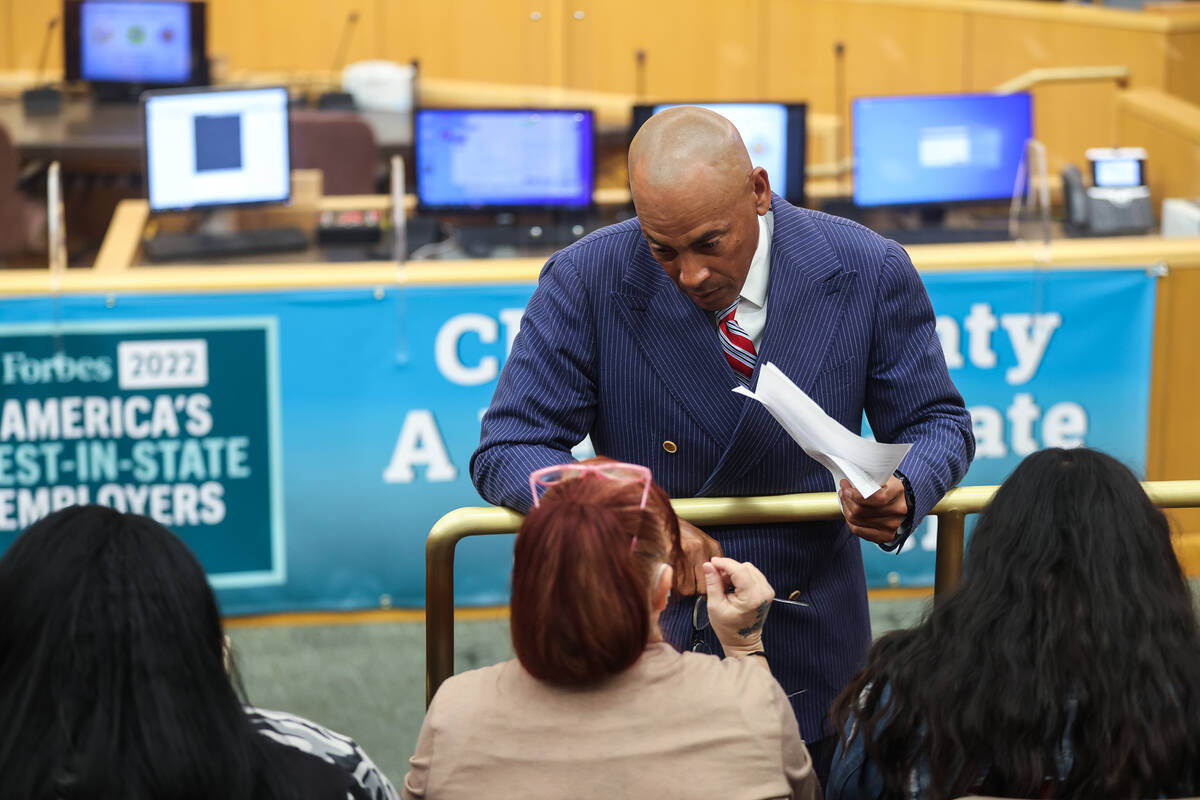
118,93
932,216
509,231
933,226
217,221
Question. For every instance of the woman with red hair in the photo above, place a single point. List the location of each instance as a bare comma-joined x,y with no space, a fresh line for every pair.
596,704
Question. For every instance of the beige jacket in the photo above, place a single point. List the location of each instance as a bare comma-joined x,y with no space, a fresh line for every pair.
673,725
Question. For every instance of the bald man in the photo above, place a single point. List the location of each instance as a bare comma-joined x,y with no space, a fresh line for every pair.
636,335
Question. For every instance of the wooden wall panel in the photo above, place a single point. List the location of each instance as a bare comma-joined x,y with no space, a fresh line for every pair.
693,50
1183,64
1174,447
897,50
1005,46
799,52
6,40
1068,117
289,35
1169,129
26,22
889,49
751,48
504,41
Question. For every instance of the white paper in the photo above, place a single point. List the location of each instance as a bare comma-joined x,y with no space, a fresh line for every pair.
867,464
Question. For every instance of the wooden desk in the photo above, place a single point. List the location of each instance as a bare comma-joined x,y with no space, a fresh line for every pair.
121,248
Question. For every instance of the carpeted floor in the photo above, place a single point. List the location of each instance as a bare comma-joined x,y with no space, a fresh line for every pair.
368,680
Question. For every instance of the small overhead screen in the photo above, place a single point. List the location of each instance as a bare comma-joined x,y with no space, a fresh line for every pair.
938,148
1117,167
774,134
132,46
474,159
216,147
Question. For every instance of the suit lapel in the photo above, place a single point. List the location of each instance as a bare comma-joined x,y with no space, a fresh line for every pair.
805,301
680,344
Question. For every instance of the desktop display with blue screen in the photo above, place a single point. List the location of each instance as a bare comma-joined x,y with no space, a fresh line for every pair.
157,43
217,148
938,149
774,135
475,159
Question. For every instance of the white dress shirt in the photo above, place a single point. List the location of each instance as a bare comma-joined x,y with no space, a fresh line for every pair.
752,309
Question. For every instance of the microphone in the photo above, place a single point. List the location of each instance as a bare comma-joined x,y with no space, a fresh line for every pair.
335,100
43,99
639,75
50,26
340,54
839,109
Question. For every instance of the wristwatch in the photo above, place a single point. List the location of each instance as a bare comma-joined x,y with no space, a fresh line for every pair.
907,525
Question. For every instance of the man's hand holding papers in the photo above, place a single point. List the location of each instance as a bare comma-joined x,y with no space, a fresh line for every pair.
876,518
873,499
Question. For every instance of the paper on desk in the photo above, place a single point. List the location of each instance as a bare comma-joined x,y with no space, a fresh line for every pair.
865,463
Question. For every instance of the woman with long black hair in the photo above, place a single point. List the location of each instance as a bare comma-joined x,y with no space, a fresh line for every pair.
1066,665
114,682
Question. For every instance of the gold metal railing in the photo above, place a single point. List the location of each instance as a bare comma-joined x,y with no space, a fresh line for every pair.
951,515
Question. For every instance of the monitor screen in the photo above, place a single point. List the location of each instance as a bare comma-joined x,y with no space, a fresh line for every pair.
158,43
216,148
1117,167
471,159
938,148
774,134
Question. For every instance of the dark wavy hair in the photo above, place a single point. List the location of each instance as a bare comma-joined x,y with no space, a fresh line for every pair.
1073,633
580,597
112,674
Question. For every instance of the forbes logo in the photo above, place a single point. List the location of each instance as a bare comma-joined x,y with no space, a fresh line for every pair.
16,367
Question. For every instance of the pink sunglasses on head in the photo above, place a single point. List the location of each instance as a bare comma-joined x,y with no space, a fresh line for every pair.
614,470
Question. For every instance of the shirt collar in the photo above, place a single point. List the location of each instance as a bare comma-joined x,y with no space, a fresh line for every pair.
754,290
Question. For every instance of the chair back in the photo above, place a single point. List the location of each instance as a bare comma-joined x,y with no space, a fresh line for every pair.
16,212
341,145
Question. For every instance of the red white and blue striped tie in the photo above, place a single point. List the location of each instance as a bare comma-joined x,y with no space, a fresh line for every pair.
739,350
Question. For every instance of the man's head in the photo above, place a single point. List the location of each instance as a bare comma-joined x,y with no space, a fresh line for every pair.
698,199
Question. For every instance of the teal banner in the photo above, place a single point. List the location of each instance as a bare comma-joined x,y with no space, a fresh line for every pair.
304,442
175,420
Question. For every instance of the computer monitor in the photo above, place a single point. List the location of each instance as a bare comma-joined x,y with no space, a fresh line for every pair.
774,133
938,149
488,159
216,147
123,48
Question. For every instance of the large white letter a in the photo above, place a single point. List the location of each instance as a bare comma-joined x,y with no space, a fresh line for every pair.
420,443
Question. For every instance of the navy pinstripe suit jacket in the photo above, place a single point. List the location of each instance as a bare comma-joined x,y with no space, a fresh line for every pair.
609,346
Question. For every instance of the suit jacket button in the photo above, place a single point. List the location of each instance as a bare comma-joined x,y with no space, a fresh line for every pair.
669,446
795,595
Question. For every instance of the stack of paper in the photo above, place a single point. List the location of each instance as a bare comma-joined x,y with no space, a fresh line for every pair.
867,464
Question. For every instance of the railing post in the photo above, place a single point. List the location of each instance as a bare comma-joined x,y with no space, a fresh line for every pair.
439,611
947,570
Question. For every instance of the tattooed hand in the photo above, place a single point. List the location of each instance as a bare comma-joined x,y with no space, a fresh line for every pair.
738,600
